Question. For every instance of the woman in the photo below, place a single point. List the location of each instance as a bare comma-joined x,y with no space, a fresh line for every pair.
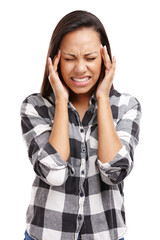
81,134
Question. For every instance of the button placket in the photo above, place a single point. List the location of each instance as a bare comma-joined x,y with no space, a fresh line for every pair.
80,216
83,150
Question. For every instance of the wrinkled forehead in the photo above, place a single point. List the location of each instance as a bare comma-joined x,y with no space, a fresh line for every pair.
81,41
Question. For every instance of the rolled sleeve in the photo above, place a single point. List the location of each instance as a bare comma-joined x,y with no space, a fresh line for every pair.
127,128
36,129
115,171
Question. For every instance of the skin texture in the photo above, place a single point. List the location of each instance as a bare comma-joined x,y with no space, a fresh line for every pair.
80,57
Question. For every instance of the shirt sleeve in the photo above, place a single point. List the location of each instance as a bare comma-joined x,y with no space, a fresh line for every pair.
127,128
36,129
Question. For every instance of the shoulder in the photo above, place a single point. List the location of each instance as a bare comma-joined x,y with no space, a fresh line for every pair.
36,104
123,99
122,103
36,99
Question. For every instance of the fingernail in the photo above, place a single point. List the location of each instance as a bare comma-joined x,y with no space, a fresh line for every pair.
114,58
59,51
49,59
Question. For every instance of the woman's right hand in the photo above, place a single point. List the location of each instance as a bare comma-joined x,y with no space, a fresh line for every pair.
60,90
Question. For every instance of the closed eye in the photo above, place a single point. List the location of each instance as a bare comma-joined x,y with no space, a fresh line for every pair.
71,59
91,59
68,59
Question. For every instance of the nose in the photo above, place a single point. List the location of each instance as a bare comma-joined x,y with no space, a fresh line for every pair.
80,67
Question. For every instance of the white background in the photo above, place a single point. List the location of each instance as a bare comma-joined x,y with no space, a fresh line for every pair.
133,31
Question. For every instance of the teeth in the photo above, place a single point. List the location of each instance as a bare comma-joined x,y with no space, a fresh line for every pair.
80,79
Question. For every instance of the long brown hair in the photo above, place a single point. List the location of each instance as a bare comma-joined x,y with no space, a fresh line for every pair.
70,23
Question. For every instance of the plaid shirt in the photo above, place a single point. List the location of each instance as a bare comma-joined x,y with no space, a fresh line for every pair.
81,195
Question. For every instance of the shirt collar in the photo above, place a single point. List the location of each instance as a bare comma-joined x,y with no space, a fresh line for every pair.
93,99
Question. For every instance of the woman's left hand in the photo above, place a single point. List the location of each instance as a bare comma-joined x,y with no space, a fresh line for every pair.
105,83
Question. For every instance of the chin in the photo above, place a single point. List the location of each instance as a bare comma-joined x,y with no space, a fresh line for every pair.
88,91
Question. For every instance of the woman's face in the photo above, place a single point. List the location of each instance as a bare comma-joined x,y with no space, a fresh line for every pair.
81,60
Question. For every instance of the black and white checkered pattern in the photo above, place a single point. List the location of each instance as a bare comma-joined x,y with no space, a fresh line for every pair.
80,195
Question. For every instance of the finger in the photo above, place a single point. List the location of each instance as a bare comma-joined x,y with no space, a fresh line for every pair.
52,73
114,63
50,66
110,74
106,58
56,60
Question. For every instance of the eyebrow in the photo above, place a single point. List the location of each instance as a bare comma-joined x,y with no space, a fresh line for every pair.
87,54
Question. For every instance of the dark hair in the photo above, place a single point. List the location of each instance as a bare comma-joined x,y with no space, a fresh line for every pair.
70,23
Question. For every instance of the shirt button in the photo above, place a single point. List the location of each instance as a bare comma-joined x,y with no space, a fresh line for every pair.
82,130
89,111
79,217
81,194
83,150
82,172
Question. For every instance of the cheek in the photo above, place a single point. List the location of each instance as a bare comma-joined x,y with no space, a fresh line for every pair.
67,65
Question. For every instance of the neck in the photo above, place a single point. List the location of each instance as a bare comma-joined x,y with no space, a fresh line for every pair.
79,99
81,103
82,99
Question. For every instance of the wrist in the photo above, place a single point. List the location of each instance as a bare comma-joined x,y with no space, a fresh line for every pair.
61,102
103,98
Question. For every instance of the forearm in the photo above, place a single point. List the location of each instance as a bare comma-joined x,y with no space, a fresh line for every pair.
59,137
109,143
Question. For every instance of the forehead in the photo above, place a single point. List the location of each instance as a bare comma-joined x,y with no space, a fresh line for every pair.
81,39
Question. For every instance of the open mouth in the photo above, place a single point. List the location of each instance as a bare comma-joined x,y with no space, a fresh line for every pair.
81,79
